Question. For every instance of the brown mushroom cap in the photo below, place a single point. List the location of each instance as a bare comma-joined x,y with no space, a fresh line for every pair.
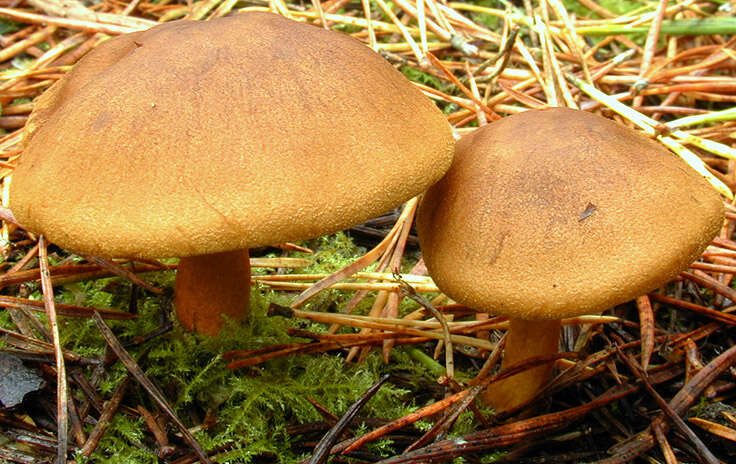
202,137
555,213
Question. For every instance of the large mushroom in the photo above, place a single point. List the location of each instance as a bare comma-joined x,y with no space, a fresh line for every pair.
202,139
557,213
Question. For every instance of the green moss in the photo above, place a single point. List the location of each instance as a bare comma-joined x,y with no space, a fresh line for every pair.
332,253
7,26
421,77
491,22
493,457
618,7
253,407
123,444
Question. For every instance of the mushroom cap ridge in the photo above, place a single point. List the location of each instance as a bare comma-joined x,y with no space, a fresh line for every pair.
556,213
202,137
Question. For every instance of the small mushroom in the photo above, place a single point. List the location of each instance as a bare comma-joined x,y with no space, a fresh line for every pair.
202,139
557,213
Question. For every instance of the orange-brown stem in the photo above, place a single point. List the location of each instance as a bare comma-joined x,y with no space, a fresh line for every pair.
525,339
210,286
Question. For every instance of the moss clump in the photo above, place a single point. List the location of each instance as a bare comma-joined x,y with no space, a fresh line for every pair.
250,412
253,408
421,77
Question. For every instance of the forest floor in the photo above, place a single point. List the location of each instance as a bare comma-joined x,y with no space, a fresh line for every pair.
652,380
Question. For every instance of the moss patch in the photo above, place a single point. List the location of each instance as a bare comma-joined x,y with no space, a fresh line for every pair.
250,412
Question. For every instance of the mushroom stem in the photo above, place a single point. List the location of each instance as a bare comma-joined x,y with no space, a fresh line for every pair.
525,340
210,286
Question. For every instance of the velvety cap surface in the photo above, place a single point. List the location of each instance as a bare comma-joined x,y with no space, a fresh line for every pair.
555,213
198,137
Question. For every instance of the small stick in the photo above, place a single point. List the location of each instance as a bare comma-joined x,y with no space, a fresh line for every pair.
301,348
690,392
18,457
714,116
7,215
369,25
703,450
705,280
93,399
381,265
721,268
323,448
649,49
62,309
693,363
88,26
28,325
103,422
280,262
401,422
549,88
411,278
491,114
646,329
162,441
391,308
149,386
395,325
442,404
442,426
320,13
422,23
32,253
62,417
574,39
409,291
324,412
380,286
120,271
507,434
504,54
716,429
491,361
352,268
19,47
719,316
479,114
34,345
76,423
404,31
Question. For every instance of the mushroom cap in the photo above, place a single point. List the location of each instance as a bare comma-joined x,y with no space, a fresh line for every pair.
556,213
201,137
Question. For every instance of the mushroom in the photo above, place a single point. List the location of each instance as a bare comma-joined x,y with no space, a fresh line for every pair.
557,213
201,139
